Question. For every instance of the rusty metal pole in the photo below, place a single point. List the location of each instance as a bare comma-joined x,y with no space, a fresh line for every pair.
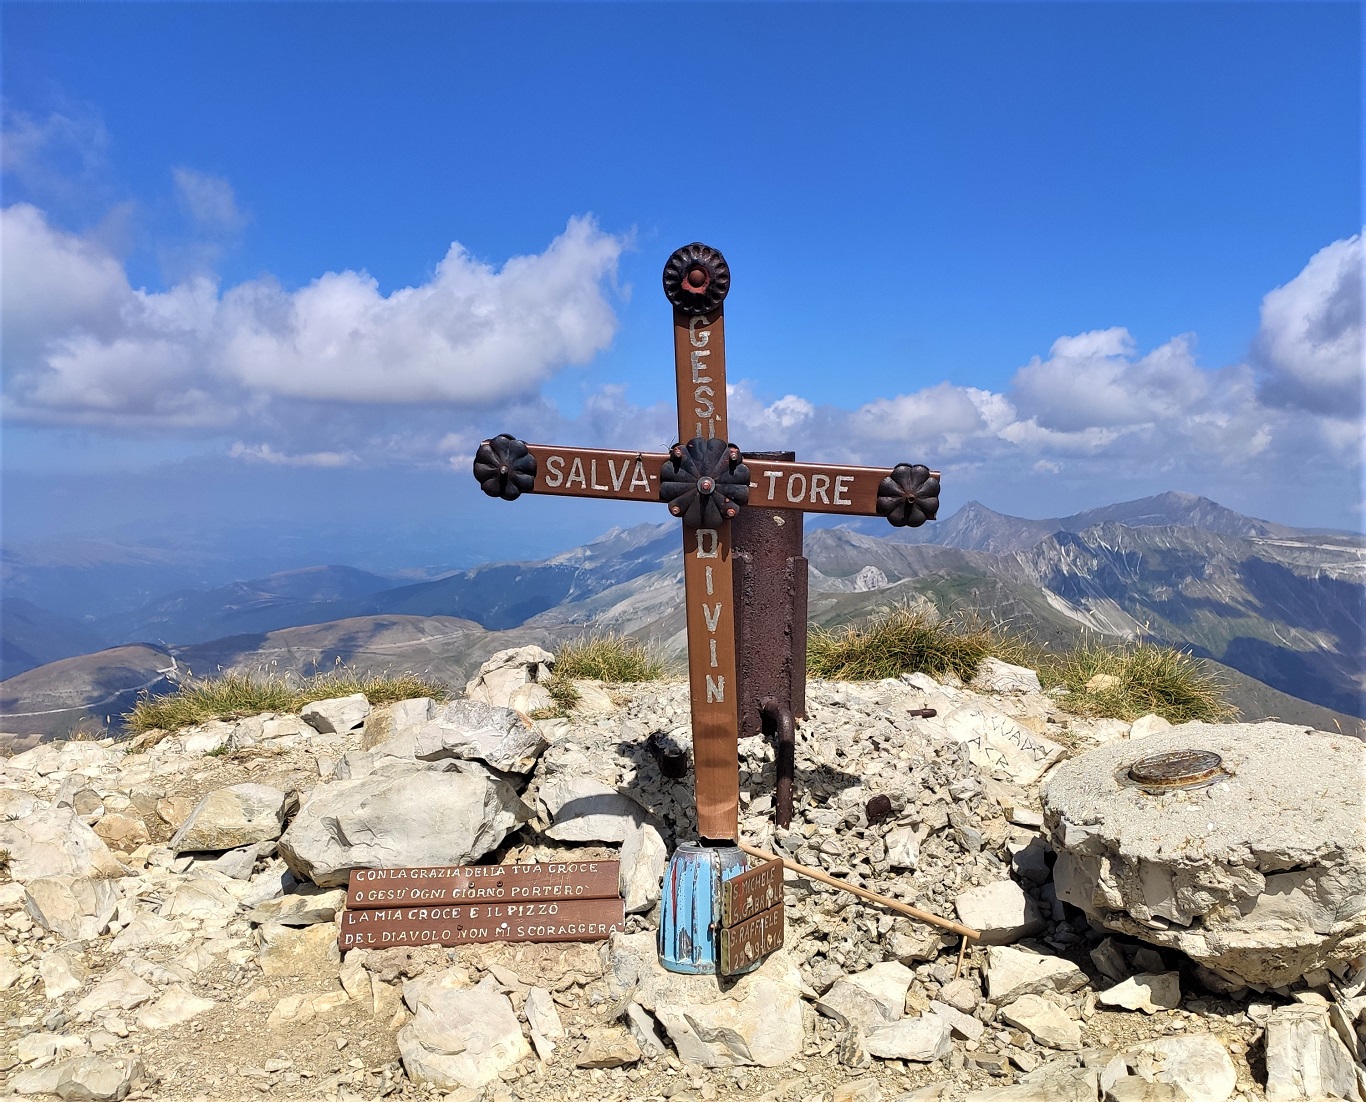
770,628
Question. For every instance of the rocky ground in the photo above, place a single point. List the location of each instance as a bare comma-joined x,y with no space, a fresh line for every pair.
170,909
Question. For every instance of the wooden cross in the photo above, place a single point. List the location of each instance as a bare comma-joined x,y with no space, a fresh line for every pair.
705,482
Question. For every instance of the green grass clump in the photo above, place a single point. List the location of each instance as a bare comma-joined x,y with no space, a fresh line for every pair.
902,640
599,657
608,657
1149,679
238,694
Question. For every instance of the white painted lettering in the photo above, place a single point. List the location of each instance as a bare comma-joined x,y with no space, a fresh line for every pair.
710,583
708,543
593,466
713,617
617,479
716,689
697,368
842,484
797,482
554,470
576,474
702,397
714,662
820,486
639,478
772,477
699,340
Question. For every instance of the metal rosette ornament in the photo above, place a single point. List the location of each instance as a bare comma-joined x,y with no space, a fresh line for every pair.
909,496
696,279
704,482
504,467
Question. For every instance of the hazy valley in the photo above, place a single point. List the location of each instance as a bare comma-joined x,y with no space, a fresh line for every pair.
1279,609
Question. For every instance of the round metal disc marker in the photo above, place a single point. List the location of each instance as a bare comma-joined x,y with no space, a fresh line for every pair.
1176,769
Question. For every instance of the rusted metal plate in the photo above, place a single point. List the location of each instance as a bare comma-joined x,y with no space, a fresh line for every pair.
815,487
773,484
708,599
744,896
596,472
577,920
700,368
388,888
754,938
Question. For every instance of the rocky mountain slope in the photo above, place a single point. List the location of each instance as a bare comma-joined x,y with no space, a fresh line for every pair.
170,919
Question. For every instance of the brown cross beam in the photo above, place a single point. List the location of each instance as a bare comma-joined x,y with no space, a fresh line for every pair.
705,482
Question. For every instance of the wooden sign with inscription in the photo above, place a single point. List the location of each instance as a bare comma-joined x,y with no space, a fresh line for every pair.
387,888
469,904
576,920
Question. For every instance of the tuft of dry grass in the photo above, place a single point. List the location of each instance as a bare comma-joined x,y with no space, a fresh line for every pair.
598,657
235,695
1147,679
905,640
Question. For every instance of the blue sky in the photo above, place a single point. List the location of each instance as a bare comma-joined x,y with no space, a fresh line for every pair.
1069,253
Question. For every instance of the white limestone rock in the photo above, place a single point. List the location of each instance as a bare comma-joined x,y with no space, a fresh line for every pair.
474,731
1147,991
1045,1021
999,745
757,1020
643,859
1147,725
412,817
1013,972
1001,912
923,1039
1233,874
459,1036
995,676
55,842
176,1005
337,715
83,1079
869,999
1197,1063
582,809
507,671
903,848
75,908
1305,1058
228,818
62,972
543,1020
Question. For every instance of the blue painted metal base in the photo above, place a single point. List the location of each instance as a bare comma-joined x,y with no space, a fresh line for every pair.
690,911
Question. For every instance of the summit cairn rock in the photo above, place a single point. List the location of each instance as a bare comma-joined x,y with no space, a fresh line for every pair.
508,671
403,817
337,715
1234,874
475,731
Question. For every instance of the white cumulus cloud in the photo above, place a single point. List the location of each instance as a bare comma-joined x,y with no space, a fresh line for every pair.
1309,344
82,345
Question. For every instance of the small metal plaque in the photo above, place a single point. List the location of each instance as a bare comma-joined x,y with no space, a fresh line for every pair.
756,937
755,890
455,884
577,920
